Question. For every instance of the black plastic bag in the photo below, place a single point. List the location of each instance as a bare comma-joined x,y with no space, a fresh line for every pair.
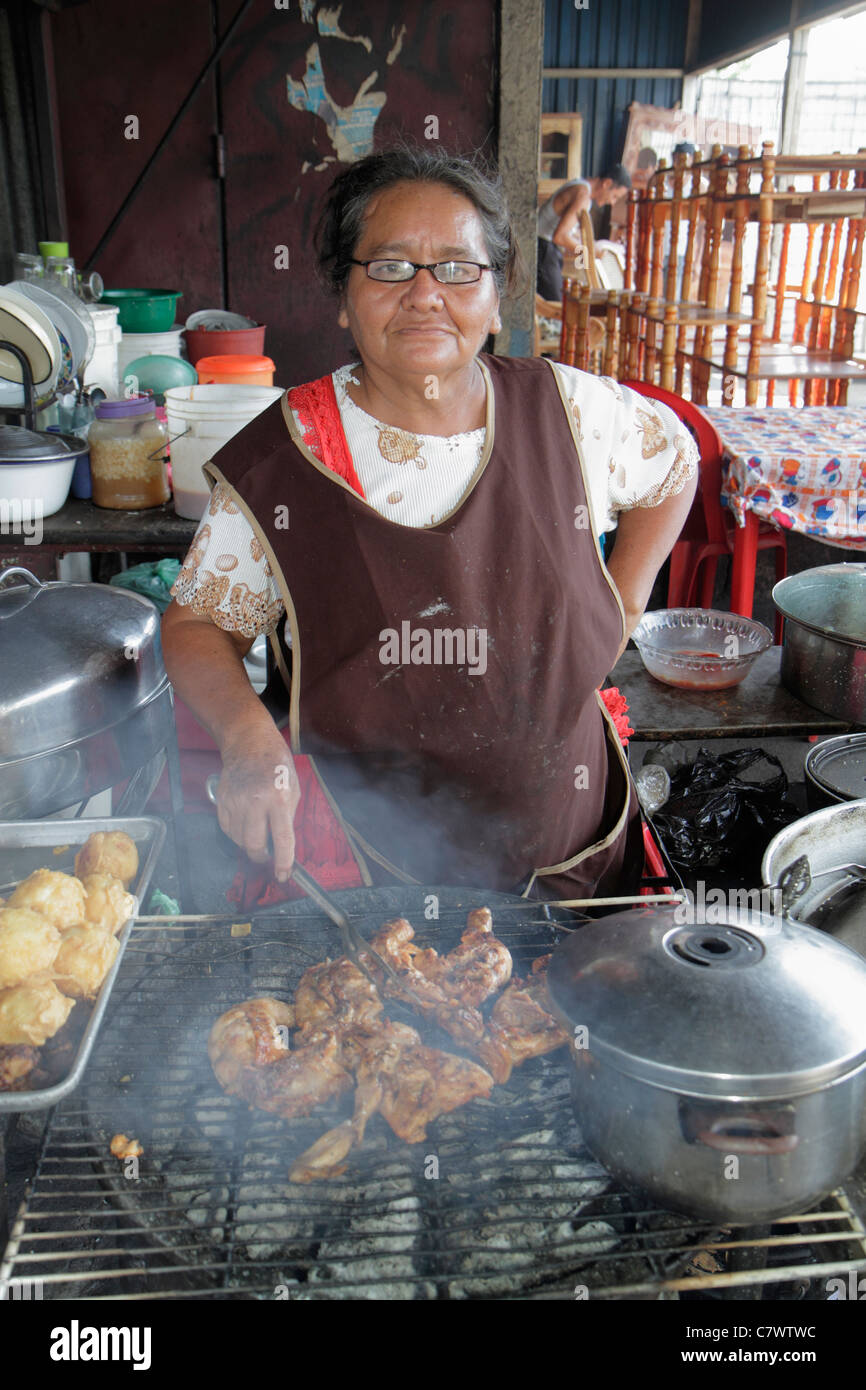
716,818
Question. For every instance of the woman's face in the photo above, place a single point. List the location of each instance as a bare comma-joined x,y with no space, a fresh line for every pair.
419,325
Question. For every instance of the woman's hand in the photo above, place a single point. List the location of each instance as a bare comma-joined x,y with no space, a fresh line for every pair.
257,797
258,790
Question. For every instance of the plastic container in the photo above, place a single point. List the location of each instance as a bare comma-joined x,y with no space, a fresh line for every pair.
127,455
144,311
201,419
699,648
218,342
81,485
102,369
134,345
157,373
235,369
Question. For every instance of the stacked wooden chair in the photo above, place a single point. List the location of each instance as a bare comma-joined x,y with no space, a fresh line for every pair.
702,309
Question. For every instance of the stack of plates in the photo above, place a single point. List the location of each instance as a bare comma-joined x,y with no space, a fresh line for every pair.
62,326
25,325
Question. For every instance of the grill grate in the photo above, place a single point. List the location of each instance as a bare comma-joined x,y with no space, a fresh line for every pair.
501,1200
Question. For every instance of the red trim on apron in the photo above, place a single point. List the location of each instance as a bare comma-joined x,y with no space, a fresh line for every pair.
316,405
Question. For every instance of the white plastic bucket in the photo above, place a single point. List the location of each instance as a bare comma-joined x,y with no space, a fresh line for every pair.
200,420
102,369
134,345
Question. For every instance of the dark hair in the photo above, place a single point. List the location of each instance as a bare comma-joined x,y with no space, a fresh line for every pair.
341,223
647,157
684,147
618,175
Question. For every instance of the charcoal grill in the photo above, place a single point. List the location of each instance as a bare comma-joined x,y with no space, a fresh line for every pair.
519,1208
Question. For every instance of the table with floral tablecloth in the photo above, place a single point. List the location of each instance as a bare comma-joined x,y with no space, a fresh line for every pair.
802,468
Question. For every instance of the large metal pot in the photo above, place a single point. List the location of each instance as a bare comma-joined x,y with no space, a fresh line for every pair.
84,698
824,649
718,1069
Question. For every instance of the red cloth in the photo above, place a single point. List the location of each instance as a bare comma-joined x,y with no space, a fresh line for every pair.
319,414
617,708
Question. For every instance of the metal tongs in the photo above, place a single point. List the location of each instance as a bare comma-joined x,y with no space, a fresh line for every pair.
354,944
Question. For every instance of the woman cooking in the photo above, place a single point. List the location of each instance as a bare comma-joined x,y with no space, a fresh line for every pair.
426,521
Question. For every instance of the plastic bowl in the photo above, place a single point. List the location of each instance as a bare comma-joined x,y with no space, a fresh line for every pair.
699,648
144,311
159,373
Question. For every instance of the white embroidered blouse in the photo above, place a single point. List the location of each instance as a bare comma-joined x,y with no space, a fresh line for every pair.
637,453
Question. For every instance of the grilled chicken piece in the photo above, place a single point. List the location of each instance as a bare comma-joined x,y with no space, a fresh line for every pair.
249,1052
16,1064
449,988
336,989
521,1025
408,1083
420,1083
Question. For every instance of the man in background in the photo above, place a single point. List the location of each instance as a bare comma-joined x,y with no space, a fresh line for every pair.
558,223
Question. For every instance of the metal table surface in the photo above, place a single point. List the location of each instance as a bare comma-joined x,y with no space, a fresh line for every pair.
759,707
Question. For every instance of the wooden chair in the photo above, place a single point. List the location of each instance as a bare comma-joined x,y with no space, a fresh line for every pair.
708,533
675,233
819,357
585,342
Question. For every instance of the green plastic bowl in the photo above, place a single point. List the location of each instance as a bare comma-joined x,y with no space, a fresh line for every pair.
144,311
158,374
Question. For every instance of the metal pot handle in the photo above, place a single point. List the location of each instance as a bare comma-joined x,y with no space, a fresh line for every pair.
24,573
769,1131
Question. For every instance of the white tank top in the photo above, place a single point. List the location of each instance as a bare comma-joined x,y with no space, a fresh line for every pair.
548,217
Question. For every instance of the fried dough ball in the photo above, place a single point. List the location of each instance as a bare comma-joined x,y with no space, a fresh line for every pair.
59,897
85,957
28,945
108,852
108,904
32,1013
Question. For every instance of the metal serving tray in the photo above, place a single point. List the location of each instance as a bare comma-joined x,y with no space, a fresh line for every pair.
27,845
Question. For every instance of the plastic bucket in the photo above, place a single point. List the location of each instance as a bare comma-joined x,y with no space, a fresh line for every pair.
134,345
216,342
102,369
238,369
200,420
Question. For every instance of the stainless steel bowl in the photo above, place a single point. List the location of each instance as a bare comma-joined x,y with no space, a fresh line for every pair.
699,648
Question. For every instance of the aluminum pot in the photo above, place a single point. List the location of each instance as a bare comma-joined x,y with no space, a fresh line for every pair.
817,860
835,771
84,697
719,1069
824,648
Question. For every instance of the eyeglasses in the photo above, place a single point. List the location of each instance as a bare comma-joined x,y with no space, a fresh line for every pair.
446,272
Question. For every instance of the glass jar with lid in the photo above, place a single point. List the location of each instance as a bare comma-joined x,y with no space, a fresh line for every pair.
128,450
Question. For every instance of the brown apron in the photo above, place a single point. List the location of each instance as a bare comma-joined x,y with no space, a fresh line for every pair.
444,678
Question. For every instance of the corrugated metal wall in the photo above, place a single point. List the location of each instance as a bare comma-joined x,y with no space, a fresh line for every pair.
611,33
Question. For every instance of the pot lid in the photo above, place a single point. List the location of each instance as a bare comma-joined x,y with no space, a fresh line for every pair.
18,445
76,658
839,766
748,1006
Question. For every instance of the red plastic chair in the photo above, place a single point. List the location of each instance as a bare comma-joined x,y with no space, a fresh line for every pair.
708,533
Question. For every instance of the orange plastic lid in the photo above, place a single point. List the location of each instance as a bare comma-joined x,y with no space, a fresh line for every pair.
233,363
